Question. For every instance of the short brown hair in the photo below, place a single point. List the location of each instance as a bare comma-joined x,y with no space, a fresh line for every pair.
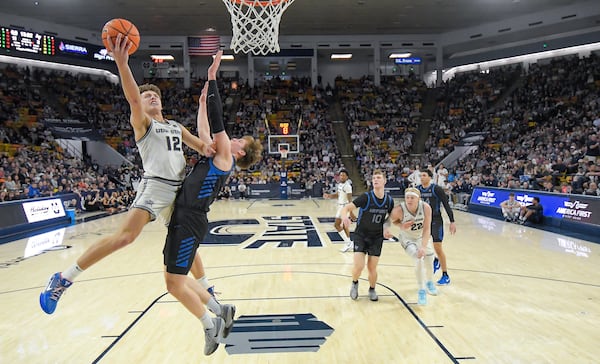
379,171
150,87
253,154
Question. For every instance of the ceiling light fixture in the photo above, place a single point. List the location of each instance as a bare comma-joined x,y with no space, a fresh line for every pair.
163,57
400,55
341,55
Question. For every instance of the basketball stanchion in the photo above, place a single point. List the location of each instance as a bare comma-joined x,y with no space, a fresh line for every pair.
255,25
283,180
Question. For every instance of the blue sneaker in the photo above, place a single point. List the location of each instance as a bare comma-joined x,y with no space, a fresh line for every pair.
422,301
55,288
211,290
444,281
436,265
431,289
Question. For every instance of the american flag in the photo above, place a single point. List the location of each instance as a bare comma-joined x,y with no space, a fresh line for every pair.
205,45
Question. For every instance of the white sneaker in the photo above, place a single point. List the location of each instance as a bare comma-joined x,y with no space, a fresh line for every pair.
349,246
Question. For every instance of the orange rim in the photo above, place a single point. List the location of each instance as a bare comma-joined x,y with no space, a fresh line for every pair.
261,3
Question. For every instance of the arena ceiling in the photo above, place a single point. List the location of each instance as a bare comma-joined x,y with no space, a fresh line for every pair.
329,18
303,17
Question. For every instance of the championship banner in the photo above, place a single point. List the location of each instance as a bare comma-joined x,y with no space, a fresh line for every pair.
72,129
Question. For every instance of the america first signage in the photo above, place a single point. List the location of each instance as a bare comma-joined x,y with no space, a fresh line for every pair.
572,208
581,210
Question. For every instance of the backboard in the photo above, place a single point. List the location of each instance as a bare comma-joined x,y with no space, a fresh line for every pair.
292,141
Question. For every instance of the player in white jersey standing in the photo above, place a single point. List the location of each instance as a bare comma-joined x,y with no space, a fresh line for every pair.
344,196
414,218
160,144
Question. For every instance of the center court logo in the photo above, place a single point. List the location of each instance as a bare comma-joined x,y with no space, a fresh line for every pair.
283,333
280,231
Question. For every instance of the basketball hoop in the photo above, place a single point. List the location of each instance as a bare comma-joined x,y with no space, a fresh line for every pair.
255,24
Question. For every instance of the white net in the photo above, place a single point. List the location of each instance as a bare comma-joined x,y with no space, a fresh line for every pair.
256,25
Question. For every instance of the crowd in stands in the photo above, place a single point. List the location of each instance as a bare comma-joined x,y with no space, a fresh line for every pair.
541,128
32,164
264,107
542,136
382,121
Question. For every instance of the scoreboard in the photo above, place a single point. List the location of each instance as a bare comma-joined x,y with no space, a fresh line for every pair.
27,41
45,45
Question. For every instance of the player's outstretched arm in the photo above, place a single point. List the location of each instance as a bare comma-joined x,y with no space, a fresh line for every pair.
202,119
223,155
119,48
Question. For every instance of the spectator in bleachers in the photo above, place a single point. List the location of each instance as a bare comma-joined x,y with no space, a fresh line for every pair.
593,148
462,191
592,189
441,174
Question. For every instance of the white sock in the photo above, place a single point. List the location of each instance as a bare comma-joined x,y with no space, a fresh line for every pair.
72,272
344,236
214,306
204,282
207,321
429,267
420,272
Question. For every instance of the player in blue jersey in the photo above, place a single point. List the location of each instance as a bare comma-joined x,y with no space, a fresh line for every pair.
189,221
435,196
374,207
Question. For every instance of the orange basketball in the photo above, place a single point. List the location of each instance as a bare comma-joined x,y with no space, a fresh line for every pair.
115,26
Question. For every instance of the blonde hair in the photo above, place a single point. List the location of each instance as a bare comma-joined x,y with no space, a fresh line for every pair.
253,150
412,191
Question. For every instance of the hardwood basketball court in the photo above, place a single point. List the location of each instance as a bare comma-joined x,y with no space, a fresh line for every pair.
518,295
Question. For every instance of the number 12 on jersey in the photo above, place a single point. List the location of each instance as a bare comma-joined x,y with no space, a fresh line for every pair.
173,143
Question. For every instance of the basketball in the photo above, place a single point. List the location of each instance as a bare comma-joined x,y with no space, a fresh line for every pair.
115,26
